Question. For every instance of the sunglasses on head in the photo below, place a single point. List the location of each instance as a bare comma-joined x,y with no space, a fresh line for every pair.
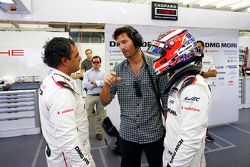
95,62
137,89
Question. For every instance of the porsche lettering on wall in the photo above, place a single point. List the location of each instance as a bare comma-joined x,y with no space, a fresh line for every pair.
12,52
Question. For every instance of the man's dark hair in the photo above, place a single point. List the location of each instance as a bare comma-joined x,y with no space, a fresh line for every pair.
121,30
96,57
132,33
56,49
201,42
88,50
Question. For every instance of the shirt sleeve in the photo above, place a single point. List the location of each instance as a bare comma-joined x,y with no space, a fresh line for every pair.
195,106
83,66
100,82
86,81
63,116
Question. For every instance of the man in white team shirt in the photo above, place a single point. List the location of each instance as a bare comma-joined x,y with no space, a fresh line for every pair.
189,98
64,124
208,70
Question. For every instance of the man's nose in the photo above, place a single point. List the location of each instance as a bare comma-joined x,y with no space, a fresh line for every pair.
122,46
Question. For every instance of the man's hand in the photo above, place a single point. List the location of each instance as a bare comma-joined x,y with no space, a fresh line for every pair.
94,83
78,75
210,73
111,78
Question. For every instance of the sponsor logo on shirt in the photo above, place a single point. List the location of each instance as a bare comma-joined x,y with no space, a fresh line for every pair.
62,76
171,101
172,112
79,152
191,99
175,150
65,111
191,109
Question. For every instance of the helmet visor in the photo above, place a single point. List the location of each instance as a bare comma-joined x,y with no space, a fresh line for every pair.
156,50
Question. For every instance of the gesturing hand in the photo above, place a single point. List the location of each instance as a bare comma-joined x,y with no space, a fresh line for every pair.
111,78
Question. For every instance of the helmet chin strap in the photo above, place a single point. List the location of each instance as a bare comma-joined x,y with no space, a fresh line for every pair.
180,73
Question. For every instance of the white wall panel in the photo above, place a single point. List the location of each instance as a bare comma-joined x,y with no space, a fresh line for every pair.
30,45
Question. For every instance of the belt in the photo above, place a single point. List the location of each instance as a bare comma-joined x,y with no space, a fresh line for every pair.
96,94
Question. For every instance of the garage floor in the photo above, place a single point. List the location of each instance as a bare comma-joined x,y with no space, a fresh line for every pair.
230,149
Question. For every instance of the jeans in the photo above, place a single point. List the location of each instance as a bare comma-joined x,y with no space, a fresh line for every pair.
131,153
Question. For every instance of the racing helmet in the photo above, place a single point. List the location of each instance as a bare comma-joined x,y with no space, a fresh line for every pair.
174,49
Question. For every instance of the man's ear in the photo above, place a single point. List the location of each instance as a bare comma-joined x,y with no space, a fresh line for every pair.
64,60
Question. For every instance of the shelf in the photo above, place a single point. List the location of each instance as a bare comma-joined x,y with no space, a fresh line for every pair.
19,113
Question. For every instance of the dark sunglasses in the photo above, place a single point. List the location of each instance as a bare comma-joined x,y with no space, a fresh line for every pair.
95,62
137,89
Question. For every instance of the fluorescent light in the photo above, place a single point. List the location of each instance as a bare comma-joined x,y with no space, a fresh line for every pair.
7,1
240,5
185,2
206,2
226,3
169,1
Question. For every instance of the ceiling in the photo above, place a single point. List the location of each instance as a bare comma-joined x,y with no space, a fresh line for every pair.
24,6
226,5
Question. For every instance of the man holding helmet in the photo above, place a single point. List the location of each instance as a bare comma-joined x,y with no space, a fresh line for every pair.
189,98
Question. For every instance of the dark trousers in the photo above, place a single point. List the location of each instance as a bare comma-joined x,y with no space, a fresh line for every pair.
131,153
